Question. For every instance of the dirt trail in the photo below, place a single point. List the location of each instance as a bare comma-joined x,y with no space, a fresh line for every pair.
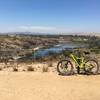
48,86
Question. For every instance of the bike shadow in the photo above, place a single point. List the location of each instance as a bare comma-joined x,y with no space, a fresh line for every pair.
86,74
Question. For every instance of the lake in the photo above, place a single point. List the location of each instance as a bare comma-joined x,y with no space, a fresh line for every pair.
57,49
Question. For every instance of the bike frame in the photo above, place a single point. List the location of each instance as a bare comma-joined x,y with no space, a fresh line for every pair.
76,58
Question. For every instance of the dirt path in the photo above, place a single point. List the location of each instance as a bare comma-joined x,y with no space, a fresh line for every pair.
48,86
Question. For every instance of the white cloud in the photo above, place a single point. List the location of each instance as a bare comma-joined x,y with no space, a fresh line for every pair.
37,28
47,29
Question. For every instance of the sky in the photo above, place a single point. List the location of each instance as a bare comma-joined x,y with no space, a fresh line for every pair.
50,16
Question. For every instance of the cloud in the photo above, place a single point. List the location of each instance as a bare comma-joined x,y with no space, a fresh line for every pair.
37,28
45,29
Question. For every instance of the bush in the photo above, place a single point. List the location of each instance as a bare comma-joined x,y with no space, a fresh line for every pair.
30,68
96,51
50,64
0,68
15,69
45,69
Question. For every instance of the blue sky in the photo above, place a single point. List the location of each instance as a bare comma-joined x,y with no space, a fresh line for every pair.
50,15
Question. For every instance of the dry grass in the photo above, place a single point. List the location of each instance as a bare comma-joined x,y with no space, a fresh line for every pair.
0,69
45,69
15,69
50,64
30,68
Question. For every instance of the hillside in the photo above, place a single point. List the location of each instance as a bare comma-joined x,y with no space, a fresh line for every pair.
21,44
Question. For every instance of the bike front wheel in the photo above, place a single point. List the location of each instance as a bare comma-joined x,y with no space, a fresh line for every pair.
65,67
91,66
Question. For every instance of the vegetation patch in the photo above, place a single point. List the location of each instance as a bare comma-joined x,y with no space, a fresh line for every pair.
45,69
30,68
15,69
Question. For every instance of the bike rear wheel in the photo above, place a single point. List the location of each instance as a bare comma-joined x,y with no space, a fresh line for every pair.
65,67
91,66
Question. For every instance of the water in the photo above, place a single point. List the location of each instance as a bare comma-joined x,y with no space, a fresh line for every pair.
56,49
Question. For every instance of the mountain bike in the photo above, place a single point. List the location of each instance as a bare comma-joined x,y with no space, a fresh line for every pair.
86,65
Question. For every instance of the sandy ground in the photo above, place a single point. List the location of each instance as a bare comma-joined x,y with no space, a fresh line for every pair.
48,86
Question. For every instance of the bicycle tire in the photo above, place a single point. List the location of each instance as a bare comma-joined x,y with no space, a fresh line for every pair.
90,71
65,72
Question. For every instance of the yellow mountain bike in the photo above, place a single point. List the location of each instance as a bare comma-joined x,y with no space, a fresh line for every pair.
88,66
